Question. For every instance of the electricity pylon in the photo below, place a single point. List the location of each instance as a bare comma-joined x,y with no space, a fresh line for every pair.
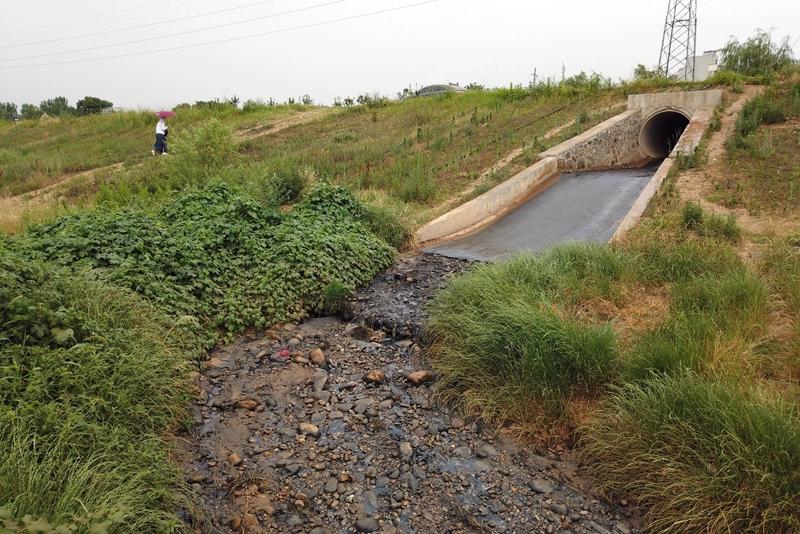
679,42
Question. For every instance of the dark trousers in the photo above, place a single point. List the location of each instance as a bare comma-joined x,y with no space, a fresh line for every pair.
161,144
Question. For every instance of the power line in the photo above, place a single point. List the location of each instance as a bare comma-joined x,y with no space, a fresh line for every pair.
220,41
60,24
139,26
168,35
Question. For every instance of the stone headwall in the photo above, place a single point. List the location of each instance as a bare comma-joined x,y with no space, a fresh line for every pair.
686,102
611,144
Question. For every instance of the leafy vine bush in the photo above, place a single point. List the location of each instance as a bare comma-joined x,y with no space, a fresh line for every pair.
220,256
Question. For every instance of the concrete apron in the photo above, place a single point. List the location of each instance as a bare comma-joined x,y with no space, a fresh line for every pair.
544,208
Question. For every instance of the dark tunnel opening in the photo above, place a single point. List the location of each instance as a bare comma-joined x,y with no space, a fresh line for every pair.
661,132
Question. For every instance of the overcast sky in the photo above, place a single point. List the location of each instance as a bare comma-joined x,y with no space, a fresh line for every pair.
493,42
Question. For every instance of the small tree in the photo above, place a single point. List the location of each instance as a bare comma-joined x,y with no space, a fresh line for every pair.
30,111
307,100
90,105
56,107
643,73
8,111
757,56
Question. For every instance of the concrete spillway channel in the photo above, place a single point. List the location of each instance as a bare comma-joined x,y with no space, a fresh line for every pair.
588,189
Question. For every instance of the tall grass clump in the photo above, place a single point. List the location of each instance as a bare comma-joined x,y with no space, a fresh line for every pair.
503,348
91,377
682,243
699,455
715,325
706,224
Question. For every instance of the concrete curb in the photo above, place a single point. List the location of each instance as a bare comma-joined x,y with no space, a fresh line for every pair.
489,206
637,210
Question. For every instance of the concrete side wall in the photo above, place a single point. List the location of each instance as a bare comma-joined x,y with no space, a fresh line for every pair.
489,206
610,144
685,101
694,132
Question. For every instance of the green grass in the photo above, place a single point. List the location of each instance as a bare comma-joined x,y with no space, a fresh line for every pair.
502,345
91,377
780,101
699,455
715,325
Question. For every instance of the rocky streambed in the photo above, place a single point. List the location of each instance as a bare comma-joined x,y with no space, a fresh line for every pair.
331,427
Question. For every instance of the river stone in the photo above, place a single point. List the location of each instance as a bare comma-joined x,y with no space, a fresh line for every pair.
376,376
418,378
406,450
308,429
367,524
541,486
317,357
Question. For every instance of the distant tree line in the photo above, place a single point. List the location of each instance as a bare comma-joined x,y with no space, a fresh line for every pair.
55,107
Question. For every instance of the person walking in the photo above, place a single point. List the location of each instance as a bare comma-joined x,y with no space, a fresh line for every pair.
160,147
162,131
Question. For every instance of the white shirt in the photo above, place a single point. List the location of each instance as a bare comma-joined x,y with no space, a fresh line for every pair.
161,127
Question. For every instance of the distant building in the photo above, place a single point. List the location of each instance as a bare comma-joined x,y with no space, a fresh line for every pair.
439,89
705,66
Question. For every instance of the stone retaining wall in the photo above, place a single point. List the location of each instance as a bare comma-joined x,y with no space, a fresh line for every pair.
611,144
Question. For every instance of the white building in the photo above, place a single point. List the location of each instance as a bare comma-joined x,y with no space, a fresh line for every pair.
705,66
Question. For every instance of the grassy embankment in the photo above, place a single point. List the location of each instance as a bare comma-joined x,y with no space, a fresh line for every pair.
673,362
415,157
34,153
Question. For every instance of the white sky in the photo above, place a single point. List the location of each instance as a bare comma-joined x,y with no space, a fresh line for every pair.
493,42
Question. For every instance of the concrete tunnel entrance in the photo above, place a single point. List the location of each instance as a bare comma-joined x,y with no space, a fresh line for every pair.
660,133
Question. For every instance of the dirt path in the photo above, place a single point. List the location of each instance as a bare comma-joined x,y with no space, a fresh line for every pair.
323,427
697,184
14,209
274,127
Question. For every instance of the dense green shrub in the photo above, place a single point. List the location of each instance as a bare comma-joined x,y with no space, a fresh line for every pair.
757,56
699,455
220,256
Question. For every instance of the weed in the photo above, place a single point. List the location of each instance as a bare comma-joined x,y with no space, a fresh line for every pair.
699,455
710,224
501,345
335,297
92,375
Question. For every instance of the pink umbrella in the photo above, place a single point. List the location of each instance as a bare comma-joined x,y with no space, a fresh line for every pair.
165,114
